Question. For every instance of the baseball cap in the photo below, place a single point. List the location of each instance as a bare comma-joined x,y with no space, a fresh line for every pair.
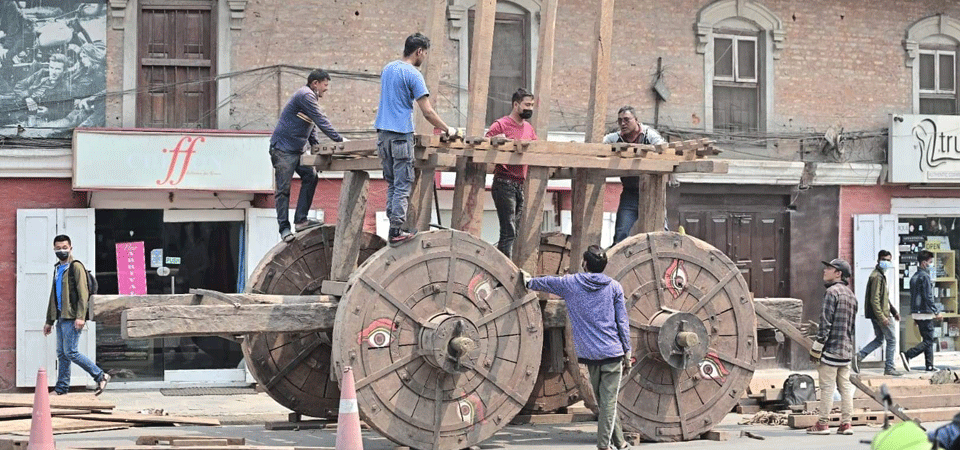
839,264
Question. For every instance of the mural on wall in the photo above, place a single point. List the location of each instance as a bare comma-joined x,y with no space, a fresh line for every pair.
52,66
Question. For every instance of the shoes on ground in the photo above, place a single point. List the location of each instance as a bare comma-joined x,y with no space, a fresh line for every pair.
893,373
820,428
845,428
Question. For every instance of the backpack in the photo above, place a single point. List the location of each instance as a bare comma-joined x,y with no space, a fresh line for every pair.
91,286
799,389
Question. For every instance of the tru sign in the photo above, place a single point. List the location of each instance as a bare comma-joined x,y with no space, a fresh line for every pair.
180,160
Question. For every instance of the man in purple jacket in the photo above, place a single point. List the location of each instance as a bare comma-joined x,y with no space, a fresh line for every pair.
601,334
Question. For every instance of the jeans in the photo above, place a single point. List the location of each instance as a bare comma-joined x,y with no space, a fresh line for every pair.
284,165
926,345
831,378
508,198
605,381
882,333
396,156
628,209
67,337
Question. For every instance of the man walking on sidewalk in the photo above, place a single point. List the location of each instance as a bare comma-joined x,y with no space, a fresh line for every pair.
601,334
68,308
923,310
833,347
507,188
298,124
400,84
877,308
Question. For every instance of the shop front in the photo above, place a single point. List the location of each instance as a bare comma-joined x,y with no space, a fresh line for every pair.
182,204
917,209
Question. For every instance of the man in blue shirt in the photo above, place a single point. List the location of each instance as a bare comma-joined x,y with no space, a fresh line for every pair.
298,125
400,84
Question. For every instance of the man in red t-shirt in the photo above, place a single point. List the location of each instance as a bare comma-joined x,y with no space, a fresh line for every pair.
507,189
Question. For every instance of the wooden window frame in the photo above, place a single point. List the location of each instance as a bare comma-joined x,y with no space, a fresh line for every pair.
735,49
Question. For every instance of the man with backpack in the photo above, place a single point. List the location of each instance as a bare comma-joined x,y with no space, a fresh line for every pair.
68,308
878,309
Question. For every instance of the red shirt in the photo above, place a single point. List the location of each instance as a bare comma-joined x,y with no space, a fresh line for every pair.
512,130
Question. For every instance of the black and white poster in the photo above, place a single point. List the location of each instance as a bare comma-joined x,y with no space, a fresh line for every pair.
52,66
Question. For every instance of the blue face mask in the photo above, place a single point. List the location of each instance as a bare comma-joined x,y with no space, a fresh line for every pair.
885,265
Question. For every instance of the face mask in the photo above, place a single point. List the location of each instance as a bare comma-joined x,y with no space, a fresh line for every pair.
885,265
62,255
526,114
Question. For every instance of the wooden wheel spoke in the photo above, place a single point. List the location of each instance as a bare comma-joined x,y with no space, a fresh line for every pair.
658,271
714,291
502,311
633,370
642,326
731,359
387,370
510,392
675,375
438,409
303,354
397,303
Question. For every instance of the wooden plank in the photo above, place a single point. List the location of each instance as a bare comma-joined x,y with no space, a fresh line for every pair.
892,382
600,72
361,146
543,419
349,232
873,417
147,419
589,187
653,204
895,407
335,288
785,327
420,210
189,442
72,401
748,409
716,435
544,84
908,402
169,321
704,166
788,309
526,248
468,197
436,30
154,440
18,412
772,395
61,425
107,308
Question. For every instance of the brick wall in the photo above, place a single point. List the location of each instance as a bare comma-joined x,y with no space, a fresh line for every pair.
22,193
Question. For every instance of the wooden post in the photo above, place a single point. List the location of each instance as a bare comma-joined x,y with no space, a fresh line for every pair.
653,204
588,185
527,246
469,194
353,208
421,196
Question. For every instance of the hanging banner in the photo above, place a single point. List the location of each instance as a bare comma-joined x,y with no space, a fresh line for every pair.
131,269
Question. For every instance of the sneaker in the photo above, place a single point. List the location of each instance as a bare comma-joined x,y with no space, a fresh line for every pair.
307,224
845,428
931,369
286,235
102,384
906,362
400,236
855,363
820,428
893,373
56,392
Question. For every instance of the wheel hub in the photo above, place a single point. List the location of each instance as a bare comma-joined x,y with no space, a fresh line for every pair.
453,346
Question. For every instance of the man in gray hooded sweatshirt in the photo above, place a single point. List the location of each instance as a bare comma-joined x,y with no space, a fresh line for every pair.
601,334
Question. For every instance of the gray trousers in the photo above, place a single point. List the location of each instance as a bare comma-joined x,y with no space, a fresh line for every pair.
605,380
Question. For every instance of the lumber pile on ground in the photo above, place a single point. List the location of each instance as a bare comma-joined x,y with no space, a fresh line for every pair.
173,442
76,413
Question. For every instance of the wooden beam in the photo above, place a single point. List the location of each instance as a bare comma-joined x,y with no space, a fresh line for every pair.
349,232
470,191
436,30
653,204
420,209
107,308
527,246
600,73
589,187
72,401
171,321
895,407
147,418
155,440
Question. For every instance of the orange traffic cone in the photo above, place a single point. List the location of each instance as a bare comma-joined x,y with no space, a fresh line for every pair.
348,421
41,428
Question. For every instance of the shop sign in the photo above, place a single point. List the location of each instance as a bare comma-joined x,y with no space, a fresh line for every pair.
924,149
131,271
210,160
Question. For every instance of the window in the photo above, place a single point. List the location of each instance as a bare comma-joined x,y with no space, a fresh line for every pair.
509,63
177,56
938,82
736,105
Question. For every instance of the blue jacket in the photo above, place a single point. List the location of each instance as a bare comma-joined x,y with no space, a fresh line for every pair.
921,293
598,316
299,122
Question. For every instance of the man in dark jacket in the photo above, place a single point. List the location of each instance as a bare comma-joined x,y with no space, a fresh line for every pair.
833,347
923,310
601,335
298,124
68,308
877,308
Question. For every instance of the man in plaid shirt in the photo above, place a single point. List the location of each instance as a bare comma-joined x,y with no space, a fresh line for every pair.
833,347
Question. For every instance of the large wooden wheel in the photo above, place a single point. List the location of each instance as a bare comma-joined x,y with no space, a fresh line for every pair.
443,338
556,386
294,368
693,330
